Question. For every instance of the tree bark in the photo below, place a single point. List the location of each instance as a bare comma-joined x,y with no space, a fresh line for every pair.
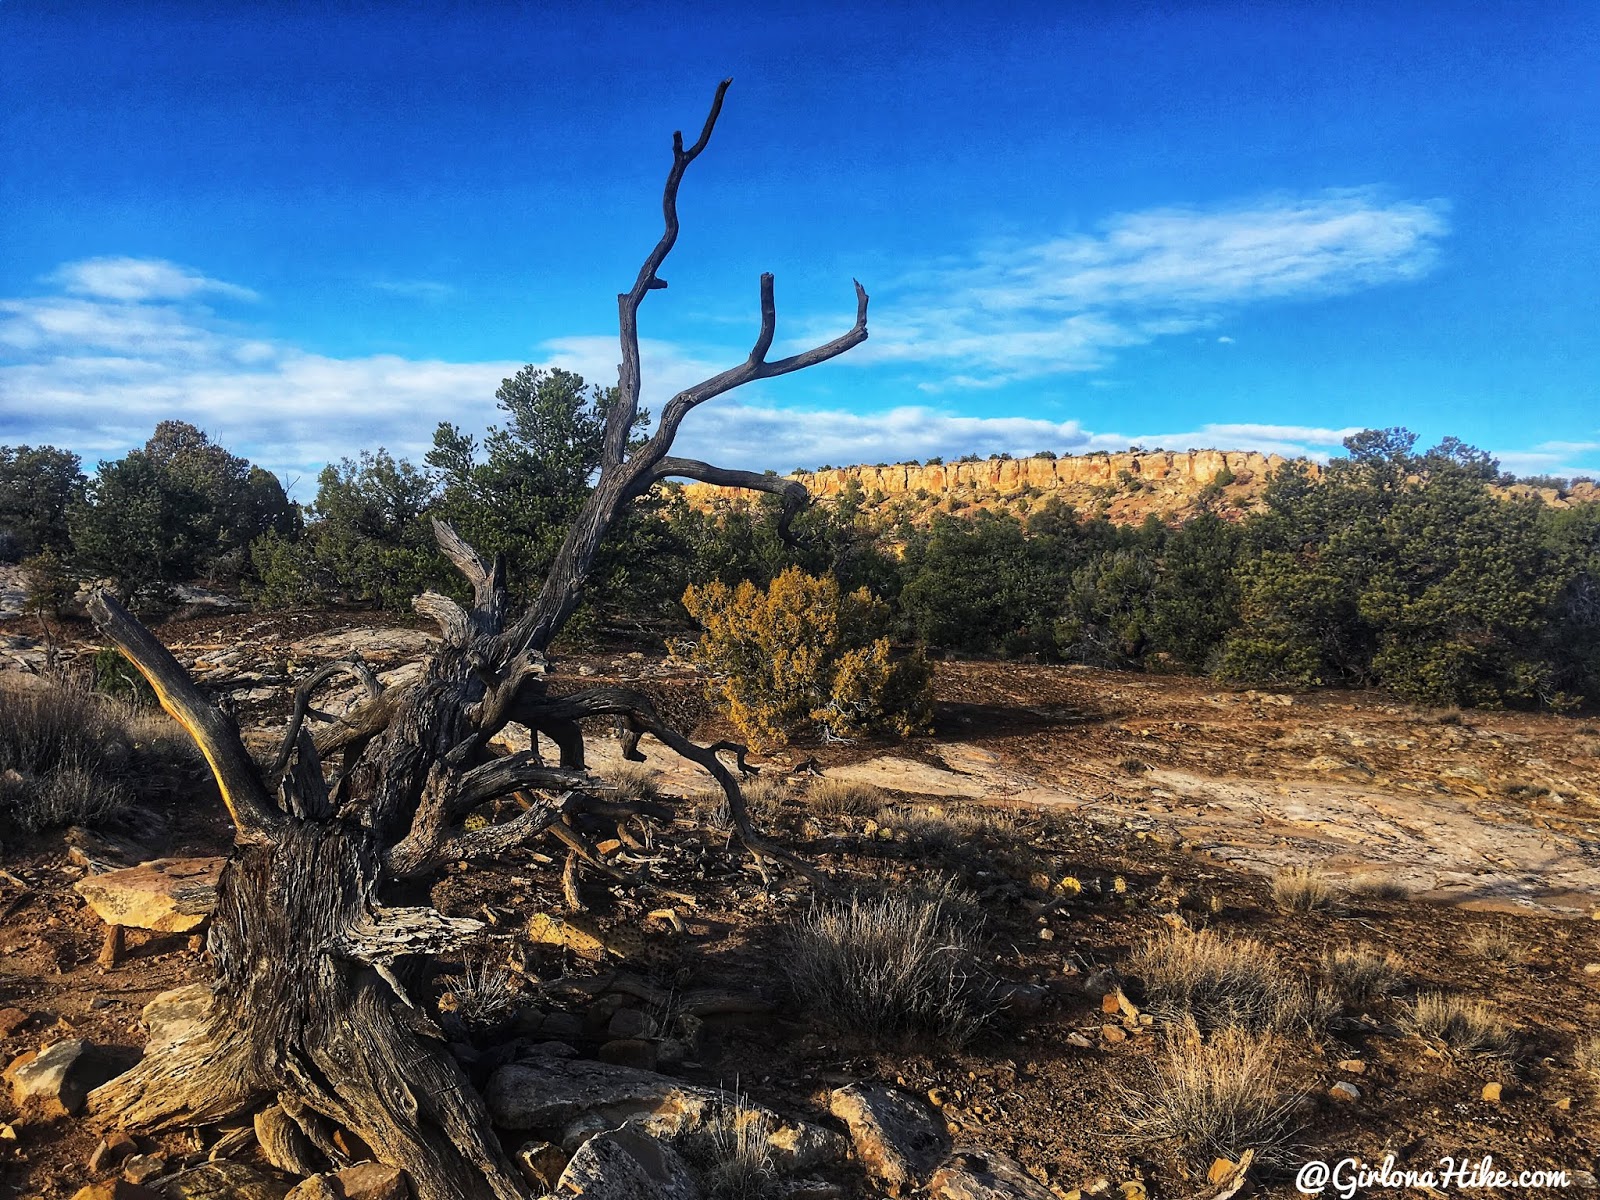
310,1025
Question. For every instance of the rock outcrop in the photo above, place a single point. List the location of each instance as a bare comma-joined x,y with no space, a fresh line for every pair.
1128,487
897,1139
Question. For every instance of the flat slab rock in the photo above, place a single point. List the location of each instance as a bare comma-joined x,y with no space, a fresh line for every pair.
225,1181
628,1164
61,1076
553,1094
168,895
971,1174
898,1140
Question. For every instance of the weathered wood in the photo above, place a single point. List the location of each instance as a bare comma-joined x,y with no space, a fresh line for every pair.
307,1022
213,732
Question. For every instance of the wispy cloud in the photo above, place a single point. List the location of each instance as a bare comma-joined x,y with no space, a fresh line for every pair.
136,279
1028,309
95,373
96,369
1551,458
761,436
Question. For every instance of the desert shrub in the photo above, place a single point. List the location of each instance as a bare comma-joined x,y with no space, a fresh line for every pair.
1586,1057
1361,974
804,656
764,799
940,829
765,796
1497,943
1219,982
47,583
1211,1098
481,997
113,675
842,798
888,967
1378,888
68,755
1303,889
731,1152
633,781
1467,1027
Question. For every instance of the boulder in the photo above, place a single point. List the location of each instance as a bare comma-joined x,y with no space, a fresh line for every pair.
898,1140
552,1093
224,1181
176,1015
573,1099
628,1164
60,1077
985,1175
541,1164
169,895
364,1181
115,1189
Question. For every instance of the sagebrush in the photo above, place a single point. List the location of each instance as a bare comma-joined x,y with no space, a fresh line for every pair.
805,656
888,967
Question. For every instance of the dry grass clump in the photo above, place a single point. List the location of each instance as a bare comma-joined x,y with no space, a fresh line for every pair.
941,829
1213,1098
1362,974
481,996
763,800
70,755
841,798
1467,1027
1497,944
1587,1058
889,967
731,1153
765,797
1218,982
1378,888
1303,889
633,781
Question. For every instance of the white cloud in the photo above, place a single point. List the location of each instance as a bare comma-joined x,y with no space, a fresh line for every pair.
1024,310
95,374
136,279
759,436
1551,458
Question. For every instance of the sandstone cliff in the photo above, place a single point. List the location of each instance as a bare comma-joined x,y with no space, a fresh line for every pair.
1127,487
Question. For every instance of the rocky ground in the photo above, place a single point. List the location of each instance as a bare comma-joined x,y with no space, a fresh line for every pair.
1078,814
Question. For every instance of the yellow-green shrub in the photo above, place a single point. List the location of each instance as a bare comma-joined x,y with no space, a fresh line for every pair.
804,655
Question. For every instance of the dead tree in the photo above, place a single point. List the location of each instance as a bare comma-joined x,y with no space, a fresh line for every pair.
310,1013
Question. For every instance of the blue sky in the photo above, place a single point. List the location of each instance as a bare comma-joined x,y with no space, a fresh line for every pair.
315,228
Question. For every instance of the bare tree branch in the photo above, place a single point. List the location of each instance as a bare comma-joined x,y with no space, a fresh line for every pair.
620,420
754,367
795,496
302,700
454,624
247,800
486,842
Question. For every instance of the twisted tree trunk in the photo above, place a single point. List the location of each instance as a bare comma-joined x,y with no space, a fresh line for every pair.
310,1024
